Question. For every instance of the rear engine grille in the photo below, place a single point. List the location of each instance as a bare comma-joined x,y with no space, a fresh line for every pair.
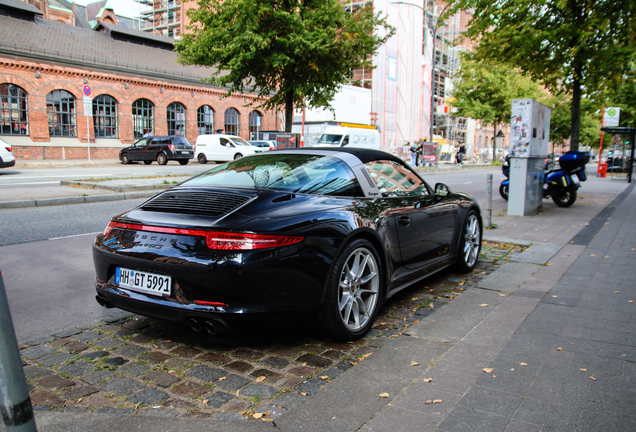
197,203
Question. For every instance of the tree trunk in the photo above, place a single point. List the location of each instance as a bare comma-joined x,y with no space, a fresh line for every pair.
576,112
289,110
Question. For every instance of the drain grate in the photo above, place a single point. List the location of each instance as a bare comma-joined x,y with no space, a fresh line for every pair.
585,236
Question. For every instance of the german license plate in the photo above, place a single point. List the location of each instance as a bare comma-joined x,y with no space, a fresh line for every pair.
144,282
575,179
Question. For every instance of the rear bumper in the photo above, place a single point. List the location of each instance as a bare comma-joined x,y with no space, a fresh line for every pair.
7,164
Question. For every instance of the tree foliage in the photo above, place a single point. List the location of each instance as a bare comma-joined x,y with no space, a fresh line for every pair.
574,46
287,51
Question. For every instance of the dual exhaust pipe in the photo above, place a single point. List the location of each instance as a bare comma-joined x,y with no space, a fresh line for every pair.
197,325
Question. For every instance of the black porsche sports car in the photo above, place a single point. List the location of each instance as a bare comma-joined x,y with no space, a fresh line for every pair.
307,235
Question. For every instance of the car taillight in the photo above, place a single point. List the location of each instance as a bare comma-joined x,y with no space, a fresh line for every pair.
216,239
171,147
8,149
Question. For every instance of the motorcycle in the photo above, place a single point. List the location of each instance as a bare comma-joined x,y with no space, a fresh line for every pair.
560,184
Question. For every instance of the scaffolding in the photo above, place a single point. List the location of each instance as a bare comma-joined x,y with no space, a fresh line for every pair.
161,17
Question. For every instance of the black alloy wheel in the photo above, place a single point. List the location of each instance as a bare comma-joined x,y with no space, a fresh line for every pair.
503,191
353,294
202,159
469,244
124,158
162,159
565,197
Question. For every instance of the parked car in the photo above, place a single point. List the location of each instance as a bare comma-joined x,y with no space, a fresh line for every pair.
263,145
308,235
159,148
222,148
6,155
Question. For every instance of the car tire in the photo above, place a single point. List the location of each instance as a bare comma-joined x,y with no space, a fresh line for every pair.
469,243
125,160
503,191
184,161
353,293
566,198
147,162
162,159
238,156
202,159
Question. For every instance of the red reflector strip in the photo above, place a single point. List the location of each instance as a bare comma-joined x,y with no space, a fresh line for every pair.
216,239
207,303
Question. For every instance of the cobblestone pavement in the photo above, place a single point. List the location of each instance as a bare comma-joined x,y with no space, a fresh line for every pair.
152,367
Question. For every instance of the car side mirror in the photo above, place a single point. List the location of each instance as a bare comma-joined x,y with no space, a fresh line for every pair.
441,190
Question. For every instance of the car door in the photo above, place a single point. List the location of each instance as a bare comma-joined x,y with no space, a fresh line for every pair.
425,222
226,149
135,152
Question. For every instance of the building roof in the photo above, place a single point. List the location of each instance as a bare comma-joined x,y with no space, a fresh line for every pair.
57,43
20,5
93,9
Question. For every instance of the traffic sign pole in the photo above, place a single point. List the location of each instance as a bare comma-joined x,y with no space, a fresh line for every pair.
88,112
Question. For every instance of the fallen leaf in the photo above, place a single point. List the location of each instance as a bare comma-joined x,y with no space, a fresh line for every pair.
428,402
461,283
593,255
206,401
222,378
583,370
631,301
260,379
555,296
304,394
333,418
427,380
324,377
494,376
559,349
502,295
257,415
524,364
415,298
243,413
414,363
353,363
607,256
487,370
394,336
431,305
461,289
548,264
382,323
79,400
437,401
384,395
364,356
415,322
617,292
483,305
593,379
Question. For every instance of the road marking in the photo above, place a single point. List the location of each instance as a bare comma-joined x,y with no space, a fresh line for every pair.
67,175
76,235
57,182
468,183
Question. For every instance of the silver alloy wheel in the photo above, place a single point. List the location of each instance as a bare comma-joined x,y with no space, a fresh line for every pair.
471,240
359,289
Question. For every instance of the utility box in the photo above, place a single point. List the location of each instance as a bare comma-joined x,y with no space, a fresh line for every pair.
530,136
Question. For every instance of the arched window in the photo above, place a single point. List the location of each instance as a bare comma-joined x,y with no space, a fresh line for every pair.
60,108
255,124
105,117
176,114
205,120
143,112
14,110
232,121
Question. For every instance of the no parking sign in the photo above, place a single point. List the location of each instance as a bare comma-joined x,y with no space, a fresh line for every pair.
87,90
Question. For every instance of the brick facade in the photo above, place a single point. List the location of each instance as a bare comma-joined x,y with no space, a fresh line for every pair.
38,80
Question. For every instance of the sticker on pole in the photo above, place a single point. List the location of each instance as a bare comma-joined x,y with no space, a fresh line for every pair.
87,90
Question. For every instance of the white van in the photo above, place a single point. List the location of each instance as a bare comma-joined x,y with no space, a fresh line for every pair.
222,148
339,136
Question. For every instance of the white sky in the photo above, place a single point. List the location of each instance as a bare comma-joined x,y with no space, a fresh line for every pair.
127,8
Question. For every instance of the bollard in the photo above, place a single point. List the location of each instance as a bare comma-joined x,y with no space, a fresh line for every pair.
15,404
488,222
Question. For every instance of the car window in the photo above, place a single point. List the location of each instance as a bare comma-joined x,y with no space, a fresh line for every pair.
161,141
224,142
181,140
240,141
296,173
329,139
396,180
141,142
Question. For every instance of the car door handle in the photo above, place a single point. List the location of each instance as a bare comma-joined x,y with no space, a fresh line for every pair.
404,220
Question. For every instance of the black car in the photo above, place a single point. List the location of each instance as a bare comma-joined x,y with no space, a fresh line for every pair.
159,148
308,235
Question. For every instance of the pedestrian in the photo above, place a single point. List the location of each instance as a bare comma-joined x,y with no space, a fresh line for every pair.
460,154
419,154
413,151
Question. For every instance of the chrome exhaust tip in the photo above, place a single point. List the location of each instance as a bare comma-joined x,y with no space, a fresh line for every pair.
210,327
194,325
103,301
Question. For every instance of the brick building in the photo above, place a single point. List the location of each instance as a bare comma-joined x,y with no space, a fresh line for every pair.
137,87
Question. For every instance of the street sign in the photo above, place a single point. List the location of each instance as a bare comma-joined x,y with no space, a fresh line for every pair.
612,117
87,90
88,106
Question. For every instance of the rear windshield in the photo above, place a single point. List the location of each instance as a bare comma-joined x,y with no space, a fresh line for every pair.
181,140
297,173
330,139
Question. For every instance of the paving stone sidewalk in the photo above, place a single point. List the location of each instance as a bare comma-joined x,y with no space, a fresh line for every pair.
151,367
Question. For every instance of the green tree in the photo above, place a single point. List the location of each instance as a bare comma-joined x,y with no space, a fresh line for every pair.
484,90
561,121
288,52
571,46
